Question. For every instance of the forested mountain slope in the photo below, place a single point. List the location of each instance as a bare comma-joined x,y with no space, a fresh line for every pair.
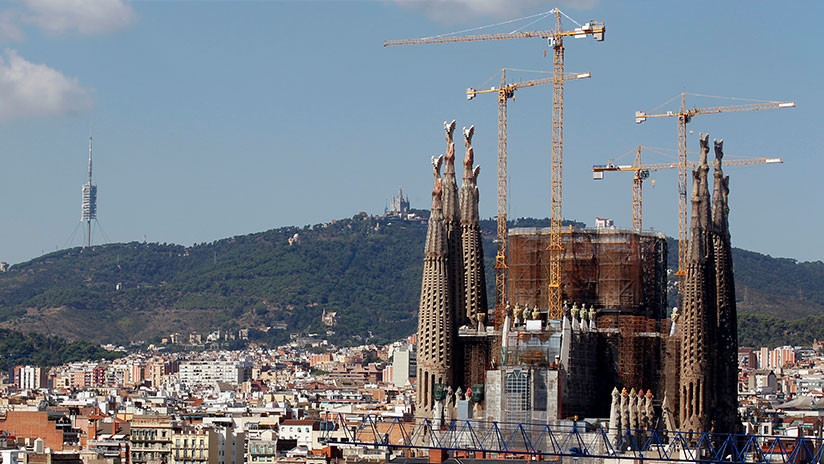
366,269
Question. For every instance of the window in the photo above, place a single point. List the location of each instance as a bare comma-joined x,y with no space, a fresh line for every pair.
517,391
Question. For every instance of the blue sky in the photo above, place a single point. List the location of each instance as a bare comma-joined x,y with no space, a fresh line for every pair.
213,119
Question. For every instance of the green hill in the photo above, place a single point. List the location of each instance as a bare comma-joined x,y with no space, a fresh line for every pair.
33,348
366,269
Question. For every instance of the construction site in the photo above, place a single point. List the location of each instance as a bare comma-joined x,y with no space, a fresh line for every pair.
604,268
580,326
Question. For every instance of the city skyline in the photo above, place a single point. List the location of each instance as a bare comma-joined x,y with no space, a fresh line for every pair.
217,119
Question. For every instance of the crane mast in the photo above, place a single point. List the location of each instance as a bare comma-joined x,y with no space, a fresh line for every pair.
637,198
554,291
505,92
500,257
595,29
683,224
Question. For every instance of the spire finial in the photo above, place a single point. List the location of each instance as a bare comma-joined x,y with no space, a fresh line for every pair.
449,156
437,189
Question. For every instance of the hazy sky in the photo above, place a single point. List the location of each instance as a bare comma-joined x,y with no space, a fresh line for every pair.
214,119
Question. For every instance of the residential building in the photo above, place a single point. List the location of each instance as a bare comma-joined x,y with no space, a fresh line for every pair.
151,439
194,373
31,377
264,449
404,366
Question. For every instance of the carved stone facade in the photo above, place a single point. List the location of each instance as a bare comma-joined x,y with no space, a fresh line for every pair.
727,340
474,281
436,339
707,325
623,339
698,324
453,289
452,221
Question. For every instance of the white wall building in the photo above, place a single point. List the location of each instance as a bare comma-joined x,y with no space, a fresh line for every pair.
300,430
211,372
31,377
404,365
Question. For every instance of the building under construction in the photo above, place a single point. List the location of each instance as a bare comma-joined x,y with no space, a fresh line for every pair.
606,268
614,333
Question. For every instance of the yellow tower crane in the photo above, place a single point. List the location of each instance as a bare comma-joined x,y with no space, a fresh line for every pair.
505,92
684,116
641,172
556,36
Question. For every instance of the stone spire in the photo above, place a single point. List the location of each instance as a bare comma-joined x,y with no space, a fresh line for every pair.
452,221
474,282
698,327
727,322
435,323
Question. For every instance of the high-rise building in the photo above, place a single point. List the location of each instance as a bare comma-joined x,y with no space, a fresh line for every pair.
31,377
211,372
404,365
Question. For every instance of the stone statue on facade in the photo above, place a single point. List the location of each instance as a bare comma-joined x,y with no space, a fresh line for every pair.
615,415
633,410
625,424
449,405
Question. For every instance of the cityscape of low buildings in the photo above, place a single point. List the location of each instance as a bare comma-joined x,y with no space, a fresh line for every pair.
277,405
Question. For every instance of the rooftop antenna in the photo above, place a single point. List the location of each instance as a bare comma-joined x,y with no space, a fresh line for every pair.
89,202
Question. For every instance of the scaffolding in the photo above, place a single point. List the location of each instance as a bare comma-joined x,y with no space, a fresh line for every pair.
605,268
574,439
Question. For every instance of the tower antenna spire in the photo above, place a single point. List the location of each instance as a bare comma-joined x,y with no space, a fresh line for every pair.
90,154
89,201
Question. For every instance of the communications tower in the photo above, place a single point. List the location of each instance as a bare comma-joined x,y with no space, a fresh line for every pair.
89,201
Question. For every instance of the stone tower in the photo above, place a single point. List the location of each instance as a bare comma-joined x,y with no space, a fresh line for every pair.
698,326
474,279
452,222
726,369
436,332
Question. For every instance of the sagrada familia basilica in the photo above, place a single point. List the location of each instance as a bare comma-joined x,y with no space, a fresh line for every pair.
617,352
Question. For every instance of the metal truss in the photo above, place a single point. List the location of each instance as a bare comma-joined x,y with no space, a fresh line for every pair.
505,439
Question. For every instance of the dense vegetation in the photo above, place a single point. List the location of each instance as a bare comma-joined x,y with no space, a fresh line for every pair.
40,350
363,268
366,269
761,330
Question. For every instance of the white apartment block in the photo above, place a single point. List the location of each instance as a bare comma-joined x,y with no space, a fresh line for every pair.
211,372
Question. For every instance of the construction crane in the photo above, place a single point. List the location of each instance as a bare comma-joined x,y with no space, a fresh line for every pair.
684,116
505,92
641,172
555,37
